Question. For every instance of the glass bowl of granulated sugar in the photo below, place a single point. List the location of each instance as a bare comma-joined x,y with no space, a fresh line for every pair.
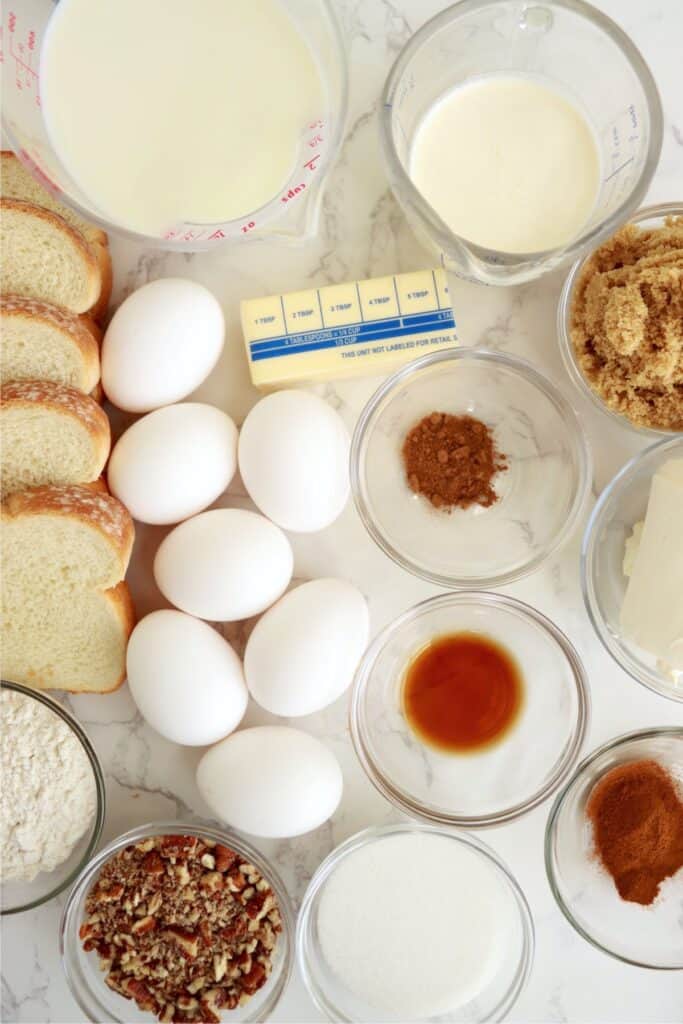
469,468
414,922
51,801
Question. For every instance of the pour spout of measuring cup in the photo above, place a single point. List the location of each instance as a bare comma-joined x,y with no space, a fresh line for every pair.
299,223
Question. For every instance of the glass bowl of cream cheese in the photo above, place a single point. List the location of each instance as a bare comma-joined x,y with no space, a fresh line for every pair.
52,801
632,568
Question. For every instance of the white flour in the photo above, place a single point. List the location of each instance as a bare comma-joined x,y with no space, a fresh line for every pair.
48,794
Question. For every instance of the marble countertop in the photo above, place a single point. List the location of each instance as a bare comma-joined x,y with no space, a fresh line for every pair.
363,233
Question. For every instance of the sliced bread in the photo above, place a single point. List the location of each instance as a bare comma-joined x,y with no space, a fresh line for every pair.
45,258
51,434
45,342
17,183
66,614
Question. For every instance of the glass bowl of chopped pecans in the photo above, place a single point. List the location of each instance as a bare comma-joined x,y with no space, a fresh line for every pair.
179,923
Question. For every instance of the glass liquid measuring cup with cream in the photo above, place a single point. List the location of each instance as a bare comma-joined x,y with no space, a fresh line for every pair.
507,163
516,136
181,122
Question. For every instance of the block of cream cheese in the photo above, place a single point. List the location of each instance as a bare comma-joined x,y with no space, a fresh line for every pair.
347,330
652,612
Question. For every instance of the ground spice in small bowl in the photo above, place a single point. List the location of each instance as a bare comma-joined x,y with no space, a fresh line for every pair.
452,461
637,817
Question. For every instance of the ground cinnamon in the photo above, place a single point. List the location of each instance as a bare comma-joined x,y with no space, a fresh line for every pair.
637,817
452,461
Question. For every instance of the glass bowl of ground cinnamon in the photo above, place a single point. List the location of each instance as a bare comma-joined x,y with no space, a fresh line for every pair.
469,467
620,323
614,848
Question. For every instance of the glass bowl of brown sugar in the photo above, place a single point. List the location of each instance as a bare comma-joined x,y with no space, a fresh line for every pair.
614,848
469,468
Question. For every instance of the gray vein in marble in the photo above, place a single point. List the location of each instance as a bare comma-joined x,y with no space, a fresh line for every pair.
13,1005
182,810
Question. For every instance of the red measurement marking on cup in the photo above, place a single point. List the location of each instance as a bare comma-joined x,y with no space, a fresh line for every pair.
21,47
187,233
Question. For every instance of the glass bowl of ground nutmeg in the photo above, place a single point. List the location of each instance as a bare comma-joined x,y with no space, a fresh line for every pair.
614,848
175,921
620,322
469,467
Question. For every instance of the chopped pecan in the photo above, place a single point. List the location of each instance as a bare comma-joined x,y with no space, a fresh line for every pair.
220,966
235,929
144,925
255,906
254,979
225,857
182,874
212,881
188,942
152,863
236,881
109,894
181,847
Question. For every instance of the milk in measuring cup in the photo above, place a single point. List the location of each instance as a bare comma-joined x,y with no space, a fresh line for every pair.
507,163
170,111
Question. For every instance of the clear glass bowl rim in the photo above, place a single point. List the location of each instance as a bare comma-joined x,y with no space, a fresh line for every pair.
402,801
571,365
534,377
640,674
369,835
98,776
398,175
68,927
551,829
179,246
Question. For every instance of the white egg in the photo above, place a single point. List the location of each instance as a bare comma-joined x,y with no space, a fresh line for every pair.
271,781
303,652
293,457
162,342
185,678
224,565
173,462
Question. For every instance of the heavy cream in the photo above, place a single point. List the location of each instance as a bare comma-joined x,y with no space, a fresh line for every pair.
507,163
167,111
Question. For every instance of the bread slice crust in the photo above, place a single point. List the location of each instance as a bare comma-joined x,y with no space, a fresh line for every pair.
97,516
82,419
78,333
18,275
16,182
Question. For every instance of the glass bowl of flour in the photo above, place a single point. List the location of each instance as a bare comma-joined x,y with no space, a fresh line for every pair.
52,799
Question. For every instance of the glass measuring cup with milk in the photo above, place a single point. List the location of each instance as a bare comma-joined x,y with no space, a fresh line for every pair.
178,123
516,134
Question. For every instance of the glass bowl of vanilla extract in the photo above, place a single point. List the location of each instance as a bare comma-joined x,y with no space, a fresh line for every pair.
469,709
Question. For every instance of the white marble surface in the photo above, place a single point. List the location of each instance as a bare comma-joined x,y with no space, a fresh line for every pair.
363,233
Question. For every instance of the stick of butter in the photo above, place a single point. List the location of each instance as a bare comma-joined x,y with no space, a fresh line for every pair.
347,330
652,612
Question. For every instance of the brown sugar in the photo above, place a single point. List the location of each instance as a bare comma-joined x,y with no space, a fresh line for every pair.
452,460
626,324
637,818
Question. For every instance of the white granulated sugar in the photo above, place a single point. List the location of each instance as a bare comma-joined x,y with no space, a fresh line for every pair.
415,925
48,796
